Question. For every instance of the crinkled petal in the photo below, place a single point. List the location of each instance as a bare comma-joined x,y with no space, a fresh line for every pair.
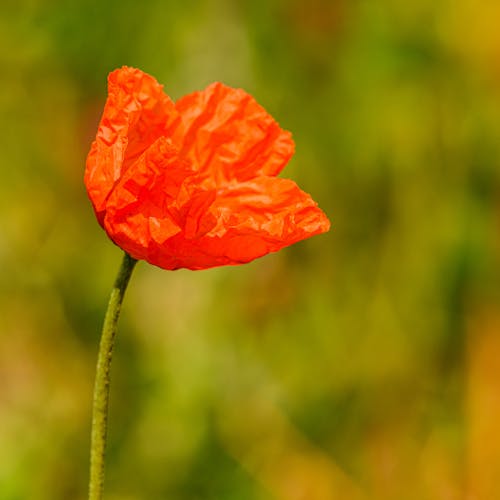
143,210
252,219
136,114
229,136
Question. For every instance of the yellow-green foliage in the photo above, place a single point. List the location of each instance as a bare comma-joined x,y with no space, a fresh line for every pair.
364,361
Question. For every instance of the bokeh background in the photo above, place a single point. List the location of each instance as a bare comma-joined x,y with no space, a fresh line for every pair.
364,363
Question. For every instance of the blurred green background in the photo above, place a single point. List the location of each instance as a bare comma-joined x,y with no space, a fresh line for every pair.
359,364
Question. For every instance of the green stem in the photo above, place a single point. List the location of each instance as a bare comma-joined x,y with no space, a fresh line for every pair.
102,380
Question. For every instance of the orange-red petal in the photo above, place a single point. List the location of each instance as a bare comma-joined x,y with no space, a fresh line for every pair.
228,136
136,114
251,219
143,210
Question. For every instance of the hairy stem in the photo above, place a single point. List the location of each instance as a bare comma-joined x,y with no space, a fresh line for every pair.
102,380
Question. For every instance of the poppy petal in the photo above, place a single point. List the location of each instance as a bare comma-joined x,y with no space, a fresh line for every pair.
263,215
252,219
136,114
229,136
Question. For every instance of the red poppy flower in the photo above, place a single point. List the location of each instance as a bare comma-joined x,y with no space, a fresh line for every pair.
193,183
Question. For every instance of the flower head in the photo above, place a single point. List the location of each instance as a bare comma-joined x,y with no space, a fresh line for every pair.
193,184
